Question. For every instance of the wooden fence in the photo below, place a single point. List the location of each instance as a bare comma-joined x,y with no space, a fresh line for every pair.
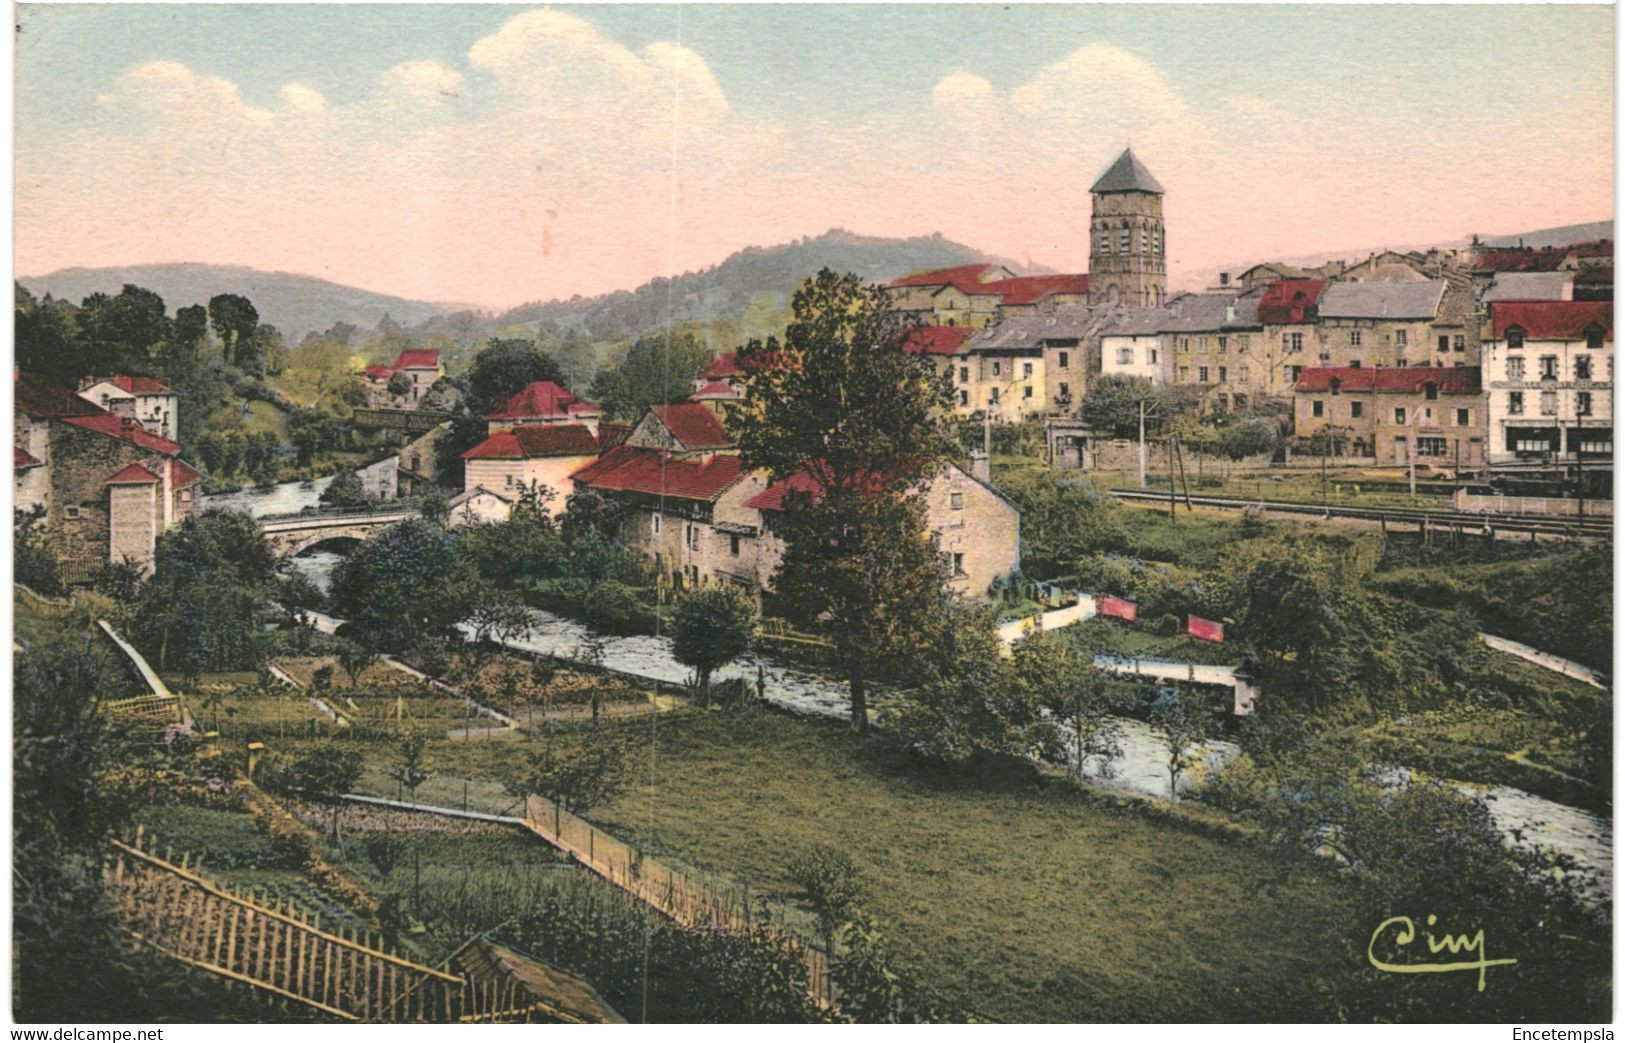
685,899
275,948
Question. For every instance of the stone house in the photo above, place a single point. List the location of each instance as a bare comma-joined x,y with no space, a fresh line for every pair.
417,466
477,506
1549,371
1025,294
150,402
540,403
1218,346
1132,344
1387,413
109,486
1289,312
1032,363
535,456
421,367
966,295
1379,323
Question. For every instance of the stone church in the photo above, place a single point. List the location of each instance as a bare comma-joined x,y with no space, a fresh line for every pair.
1127,250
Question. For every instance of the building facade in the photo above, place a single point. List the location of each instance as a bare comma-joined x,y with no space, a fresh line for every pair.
146,400
1127,245
1422,414
1549,369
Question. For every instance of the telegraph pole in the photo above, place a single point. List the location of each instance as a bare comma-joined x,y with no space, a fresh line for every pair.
1142,445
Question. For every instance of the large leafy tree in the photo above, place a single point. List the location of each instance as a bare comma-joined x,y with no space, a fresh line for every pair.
47,338
1064,519
656,369
710,629
503,367
236,325
122,333
201,609
409,584
863,422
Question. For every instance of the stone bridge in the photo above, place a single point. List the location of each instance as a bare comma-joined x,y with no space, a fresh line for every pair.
291,534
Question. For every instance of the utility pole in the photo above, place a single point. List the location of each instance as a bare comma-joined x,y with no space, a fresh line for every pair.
1579,462
1142,445
1170,445
1410,445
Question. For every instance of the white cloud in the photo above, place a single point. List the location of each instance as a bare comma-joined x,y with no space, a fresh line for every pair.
1097,78
167,86
522,46
960,88
303,99
421,78
691,72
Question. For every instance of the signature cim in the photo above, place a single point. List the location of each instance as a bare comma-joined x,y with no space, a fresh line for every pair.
1451,944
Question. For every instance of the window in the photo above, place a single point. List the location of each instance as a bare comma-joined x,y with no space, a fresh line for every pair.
1356,409
1582,367
1317,407
1026,370
1430,447
1152,355
693,536
733,544
1242,374
1122,241
1201,343
964,374
1444,343
1292,341
508,481
964,397
70,512
1223,374
1594,336
1515,403
1354,338
1184,374
959,563
1065,394
1354,363
186,496
1548,403
956,501
1241,343
1514,367
1223,343
656,523
1430,391
1548,367
1125,356
1294,372
1582,403
1201,374
1401,339
998,368
1460,342
1062,360
1026,391
1402,363
1184,344
1514,336
1399,416
1464,418
993,397
1596,444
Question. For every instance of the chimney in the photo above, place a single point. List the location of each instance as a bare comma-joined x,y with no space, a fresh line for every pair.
979,466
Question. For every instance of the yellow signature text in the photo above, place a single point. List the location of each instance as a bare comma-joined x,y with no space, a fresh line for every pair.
1455,944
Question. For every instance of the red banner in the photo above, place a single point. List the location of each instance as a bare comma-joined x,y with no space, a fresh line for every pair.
1205,629
1117,607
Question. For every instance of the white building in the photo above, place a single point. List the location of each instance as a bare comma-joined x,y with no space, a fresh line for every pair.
1132,345
146,400
1548,371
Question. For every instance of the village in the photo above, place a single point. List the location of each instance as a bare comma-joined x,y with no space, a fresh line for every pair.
969,599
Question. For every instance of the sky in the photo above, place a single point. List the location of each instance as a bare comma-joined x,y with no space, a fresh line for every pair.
497,155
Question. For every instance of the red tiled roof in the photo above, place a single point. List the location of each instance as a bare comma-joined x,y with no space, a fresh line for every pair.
721,367
40,399
715,389
1552,320
693,425
134,474
654,472
134,385
1030,289
418,358
1451,380
611,434
1523,260
936,340
125,430
24,460
1289,301
803,481
182,474
535,442
379,372
544,400
965,277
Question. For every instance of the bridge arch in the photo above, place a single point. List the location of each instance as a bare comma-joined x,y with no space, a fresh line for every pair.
288,535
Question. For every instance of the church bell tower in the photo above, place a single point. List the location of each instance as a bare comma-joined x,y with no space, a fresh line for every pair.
1127,257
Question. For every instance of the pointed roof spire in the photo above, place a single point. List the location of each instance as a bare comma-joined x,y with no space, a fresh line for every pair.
1128,174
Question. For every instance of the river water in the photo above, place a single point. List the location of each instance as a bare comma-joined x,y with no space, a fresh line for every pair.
286,498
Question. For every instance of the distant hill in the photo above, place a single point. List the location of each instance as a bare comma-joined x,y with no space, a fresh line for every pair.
1589,232
294,304
726,290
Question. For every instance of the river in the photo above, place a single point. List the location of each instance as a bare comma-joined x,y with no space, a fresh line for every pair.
286,498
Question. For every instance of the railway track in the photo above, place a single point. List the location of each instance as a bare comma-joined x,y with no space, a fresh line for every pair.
1439,521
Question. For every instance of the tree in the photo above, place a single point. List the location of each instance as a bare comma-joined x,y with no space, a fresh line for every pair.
502,368
123,333
354,659
656,369
201,609
1064,519
345,490
183,350
711,628
47,339
31,560
577,778
830,883
411,773
236,324
400,385
862,423
1075,693
409,584
1180,717
1113,404
498,617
